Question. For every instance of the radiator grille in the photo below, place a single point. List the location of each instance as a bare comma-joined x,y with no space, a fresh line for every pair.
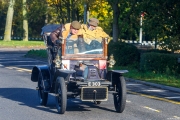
94,93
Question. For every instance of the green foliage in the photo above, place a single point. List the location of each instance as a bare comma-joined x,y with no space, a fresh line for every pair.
36,15
37,53
124,54
156,51
159,63
17,19
66,11
171,43
3,13
160,21
129,20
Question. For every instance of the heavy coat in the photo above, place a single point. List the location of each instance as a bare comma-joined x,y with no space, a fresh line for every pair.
90,35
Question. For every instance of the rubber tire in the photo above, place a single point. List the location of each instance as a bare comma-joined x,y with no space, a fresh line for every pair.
61,95
120,97
43,96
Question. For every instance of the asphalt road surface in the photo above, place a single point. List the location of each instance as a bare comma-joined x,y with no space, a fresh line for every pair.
19,99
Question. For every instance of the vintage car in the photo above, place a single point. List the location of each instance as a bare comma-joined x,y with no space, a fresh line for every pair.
72,73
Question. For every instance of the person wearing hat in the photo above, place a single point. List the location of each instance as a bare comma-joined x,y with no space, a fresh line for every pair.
93,34
67,31
93,23
70,32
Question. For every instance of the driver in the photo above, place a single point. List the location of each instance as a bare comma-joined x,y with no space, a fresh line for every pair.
70,32
67,31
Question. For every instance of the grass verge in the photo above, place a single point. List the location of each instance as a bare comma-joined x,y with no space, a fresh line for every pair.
37,53
164,79
27,44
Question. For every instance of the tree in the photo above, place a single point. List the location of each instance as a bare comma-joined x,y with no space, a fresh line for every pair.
116,13
9,18
36,15
3,13
162,22
25,21
63,11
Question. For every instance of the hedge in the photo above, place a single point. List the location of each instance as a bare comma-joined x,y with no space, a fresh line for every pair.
159,63
124,54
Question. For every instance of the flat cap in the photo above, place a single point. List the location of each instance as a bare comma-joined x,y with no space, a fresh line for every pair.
94,22
76,25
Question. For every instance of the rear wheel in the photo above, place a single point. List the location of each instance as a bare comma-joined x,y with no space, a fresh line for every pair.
120,96
43,96
61,95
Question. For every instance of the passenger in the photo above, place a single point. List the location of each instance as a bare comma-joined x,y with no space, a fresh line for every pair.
93,34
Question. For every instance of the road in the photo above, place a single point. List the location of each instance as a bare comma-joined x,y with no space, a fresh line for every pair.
19,100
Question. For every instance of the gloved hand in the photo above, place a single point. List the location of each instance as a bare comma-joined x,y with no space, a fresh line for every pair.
58,42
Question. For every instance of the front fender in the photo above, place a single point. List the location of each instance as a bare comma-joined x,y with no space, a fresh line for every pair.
113,75
43,69
64,73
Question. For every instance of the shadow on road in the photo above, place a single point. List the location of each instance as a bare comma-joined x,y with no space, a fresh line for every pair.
28,97
78,105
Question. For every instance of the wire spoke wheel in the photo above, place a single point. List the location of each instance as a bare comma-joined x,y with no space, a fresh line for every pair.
120,96
61,95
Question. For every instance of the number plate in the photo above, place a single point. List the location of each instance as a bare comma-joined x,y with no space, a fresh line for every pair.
94,83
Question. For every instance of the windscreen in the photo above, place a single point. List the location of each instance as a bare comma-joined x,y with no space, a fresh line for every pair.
81,47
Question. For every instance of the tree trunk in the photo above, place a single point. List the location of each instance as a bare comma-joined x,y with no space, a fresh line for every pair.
73,11
9,18
77,14
25,22
68,4
115,20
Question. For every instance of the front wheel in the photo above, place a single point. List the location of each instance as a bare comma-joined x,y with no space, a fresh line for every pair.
43,96
120,96
61,95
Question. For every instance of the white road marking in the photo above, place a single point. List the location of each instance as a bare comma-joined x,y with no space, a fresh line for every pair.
177,118
156,90
174,118
172,97
128,101
20,70
151,109
132,84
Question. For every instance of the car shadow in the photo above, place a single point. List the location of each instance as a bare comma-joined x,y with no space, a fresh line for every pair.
29,97
78,105
24,96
